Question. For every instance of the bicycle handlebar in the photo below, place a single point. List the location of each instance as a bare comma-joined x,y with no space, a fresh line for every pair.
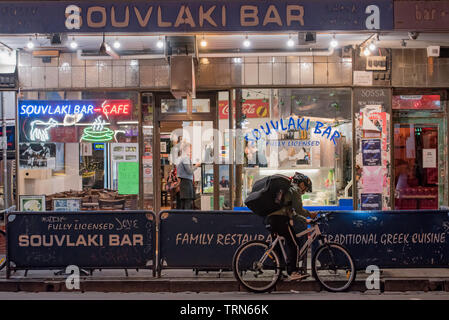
322,215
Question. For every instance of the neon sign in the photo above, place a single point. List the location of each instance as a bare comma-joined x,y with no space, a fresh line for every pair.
63,108
97,132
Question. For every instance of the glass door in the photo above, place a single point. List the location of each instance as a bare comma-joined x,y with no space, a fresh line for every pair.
187,132
419,164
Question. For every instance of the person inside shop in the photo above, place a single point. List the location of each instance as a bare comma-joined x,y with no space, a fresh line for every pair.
185,174
254,157
172,186
293,214
405,176
224,183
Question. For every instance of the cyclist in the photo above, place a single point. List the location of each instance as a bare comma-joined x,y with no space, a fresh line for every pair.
281,222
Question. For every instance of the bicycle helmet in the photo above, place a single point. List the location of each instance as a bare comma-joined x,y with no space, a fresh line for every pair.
299,177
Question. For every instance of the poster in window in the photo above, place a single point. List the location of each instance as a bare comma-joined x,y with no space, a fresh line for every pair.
371,201
67,204
32,203
37,155
371,151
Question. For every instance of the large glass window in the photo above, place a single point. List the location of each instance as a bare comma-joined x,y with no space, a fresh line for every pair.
78,150
300,130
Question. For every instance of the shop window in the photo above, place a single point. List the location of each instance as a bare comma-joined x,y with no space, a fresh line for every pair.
417,102
81,146
300,130
180,105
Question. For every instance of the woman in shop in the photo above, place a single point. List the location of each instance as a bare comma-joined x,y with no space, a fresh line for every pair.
185,174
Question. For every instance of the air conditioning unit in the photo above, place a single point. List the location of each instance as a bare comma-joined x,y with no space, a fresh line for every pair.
433,51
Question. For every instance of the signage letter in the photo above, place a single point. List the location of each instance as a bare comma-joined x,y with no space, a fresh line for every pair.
206,16
291,17
73,17
122,24
102,22
143,22
188,20
269,19
373,20
249,12
161,23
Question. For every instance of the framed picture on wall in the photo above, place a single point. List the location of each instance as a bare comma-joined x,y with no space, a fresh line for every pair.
32,203
67,204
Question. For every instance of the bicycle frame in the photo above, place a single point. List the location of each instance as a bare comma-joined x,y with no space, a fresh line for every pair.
315,233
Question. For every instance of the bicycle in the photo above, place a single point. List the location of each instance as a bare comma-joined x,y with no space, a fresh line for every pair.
258,268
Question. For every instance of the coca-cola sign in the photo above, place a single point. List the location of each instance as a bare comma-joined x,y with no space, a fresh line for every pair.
256,108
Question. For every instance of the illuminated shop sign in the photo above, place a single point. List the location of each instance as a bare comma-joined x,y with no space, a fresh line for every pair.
293,124
72,121
194,16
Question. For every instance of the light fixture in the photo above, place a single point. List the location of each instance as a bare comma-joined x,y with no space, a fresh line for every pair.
290,42
237,60
203,42
73,43
30,44
116,44
160,43
366,52
372,46
246,42
334,42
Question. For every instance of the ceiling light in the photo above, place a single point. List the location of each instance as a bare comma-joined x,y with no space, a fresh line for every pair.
372,46
73,44
246,42
160,43
290,42
116,44
30,44
366,52
334,42
203,42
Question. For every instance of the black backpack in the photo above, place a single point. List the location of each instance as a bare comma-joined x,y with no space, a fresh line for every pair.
268,194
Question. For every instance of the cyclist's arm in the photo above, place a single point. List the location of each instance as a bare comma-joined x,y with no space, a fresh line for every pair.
300,212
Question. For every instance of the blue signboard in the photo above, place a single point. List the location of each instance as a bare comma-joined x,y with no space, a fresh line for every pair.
392,239
94,240
194,16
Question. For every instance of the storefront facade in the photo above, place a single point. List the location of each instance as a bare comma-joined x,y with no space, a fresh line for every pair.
370,131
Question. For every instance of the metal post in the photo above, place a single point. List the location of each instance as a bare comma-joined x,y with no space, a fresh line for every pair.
5,153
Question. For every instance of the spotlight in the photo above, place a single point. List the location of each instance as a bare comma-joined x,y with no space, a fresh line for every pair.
366,52
290,42
372,46
334,42
116,44
246,43
73,44
160,43
203,42
30,44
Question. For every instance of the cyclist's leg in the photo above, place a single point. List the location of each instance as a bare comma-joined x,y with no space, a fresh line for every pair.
300,226
281,225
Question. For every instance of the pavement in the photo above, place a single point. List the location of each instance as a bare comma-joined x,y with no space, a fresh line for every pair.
188,280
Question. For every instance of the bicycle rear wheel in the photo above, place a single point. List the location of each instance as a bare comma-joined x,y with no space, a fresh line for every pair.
333,267
2,249
254,269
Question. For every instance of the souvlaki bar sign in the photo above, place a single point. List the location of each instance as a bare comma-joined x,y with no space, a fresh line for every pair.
194,15
293,124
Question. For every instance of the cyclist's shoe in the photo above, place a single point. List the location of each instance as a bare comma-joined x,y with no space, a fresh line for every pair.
297,276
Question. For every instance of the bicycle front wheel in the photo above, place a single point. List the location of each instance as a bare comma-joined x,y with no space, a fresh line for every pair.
256,269
2,249
333,267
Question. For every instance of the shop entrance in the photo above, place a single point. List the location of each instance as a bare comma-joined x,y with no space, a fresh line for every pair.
186,131
419,163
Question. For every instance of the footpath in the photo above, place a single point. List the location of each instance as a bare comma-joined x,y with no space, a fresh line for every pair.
142,280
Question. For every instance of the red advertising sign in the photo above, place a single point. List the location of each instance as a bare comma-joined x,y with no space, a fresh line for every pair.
255,108
421,15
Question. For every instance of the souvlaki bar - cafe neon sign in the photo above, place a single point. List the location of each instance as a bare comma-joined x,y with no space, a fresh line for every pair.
38,119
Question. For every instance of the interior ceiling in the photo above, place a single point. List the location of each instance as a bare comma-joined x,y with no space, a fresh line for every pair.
222,42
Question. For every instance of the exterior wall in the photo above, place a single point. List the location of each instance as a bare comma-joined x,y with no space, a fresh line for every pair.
68,72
